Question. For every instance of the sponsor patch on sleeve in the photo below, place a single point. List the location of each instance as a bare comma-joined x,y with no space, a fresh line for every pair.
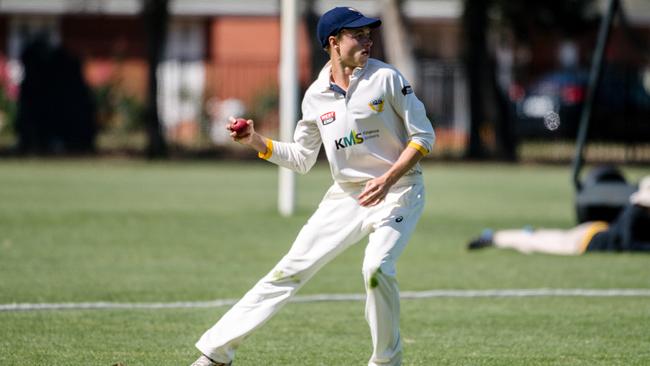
407,90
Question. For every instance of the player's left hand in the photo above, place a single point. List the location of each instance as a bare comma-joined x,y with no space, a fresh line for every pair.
374,192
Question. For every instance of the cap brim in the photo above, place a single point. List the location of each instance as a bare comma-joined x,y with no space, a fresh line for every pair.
362,22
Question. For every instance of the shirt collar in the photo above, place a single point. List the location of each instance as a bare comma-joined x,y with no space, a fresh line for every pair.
337,89
323,80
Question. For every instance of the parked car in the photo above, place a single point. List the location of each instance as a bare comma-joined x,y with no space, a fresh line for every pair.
551,106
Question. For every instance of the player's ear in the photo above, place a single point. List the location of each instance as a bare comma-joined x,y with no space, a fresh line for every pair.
333,42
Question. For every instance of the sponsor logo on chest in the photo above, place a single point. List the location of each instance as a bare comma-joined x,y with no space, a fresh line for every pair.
328,118
377,105
355,138
352,139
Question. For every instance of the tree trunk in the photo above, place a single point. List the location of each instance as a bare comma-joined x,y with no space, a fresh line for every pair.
475,54
318,56
504,129
155,14
399,50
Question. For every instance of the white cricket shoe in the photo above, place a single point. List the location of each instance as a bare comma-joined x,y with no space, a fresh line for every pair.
204,361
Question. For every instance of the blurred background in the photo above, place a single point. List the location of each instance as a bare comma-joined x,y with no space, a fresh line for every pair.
501,79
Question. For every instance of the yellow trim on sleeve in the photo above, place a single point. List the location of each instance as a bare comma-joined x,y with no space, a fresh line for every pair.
269,150
592,230
419,148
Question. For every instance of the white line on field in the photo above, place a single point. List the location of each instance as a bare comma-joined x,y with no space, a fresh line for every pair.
540,292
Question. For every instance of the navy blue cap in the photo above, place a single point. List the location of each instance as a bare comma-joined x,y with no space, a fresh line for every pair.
339,18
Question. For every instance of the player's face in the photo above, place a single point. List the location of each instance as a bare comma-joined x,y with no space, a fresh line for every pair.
354,46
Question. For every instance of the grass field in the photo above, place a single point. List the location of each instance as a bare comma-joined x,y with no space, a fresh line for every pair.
125,231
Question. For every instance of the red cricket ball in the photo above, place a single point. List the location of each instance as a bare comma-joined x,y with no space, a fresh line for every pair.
239,125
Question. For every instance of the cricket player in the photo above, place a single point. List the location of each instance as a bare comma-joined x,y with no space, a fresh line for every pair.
374,131
629,232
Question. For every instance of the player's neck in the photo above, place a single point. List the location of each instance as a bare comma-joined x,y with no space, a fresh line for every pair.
340,74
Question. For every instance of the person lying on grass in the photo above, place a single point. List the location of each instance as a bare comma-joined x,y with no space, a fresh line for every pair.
629,232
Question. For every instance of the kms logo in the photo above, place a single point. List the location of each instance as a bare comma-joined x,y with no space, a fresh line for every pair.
353,138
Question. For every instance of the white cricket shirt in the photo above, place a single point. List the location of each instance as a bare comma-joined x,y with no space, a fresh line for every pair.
363,132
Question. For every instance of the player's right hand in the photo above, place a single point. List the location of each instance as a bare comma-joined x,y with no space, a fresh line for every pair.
248,136
243,136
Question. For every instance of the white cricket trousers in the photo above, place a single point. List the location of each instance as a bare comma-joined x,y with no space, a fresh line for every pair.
338,223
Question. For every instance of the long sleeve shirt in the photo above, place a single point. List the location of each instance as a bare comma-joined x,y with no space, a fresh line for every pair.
363,130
